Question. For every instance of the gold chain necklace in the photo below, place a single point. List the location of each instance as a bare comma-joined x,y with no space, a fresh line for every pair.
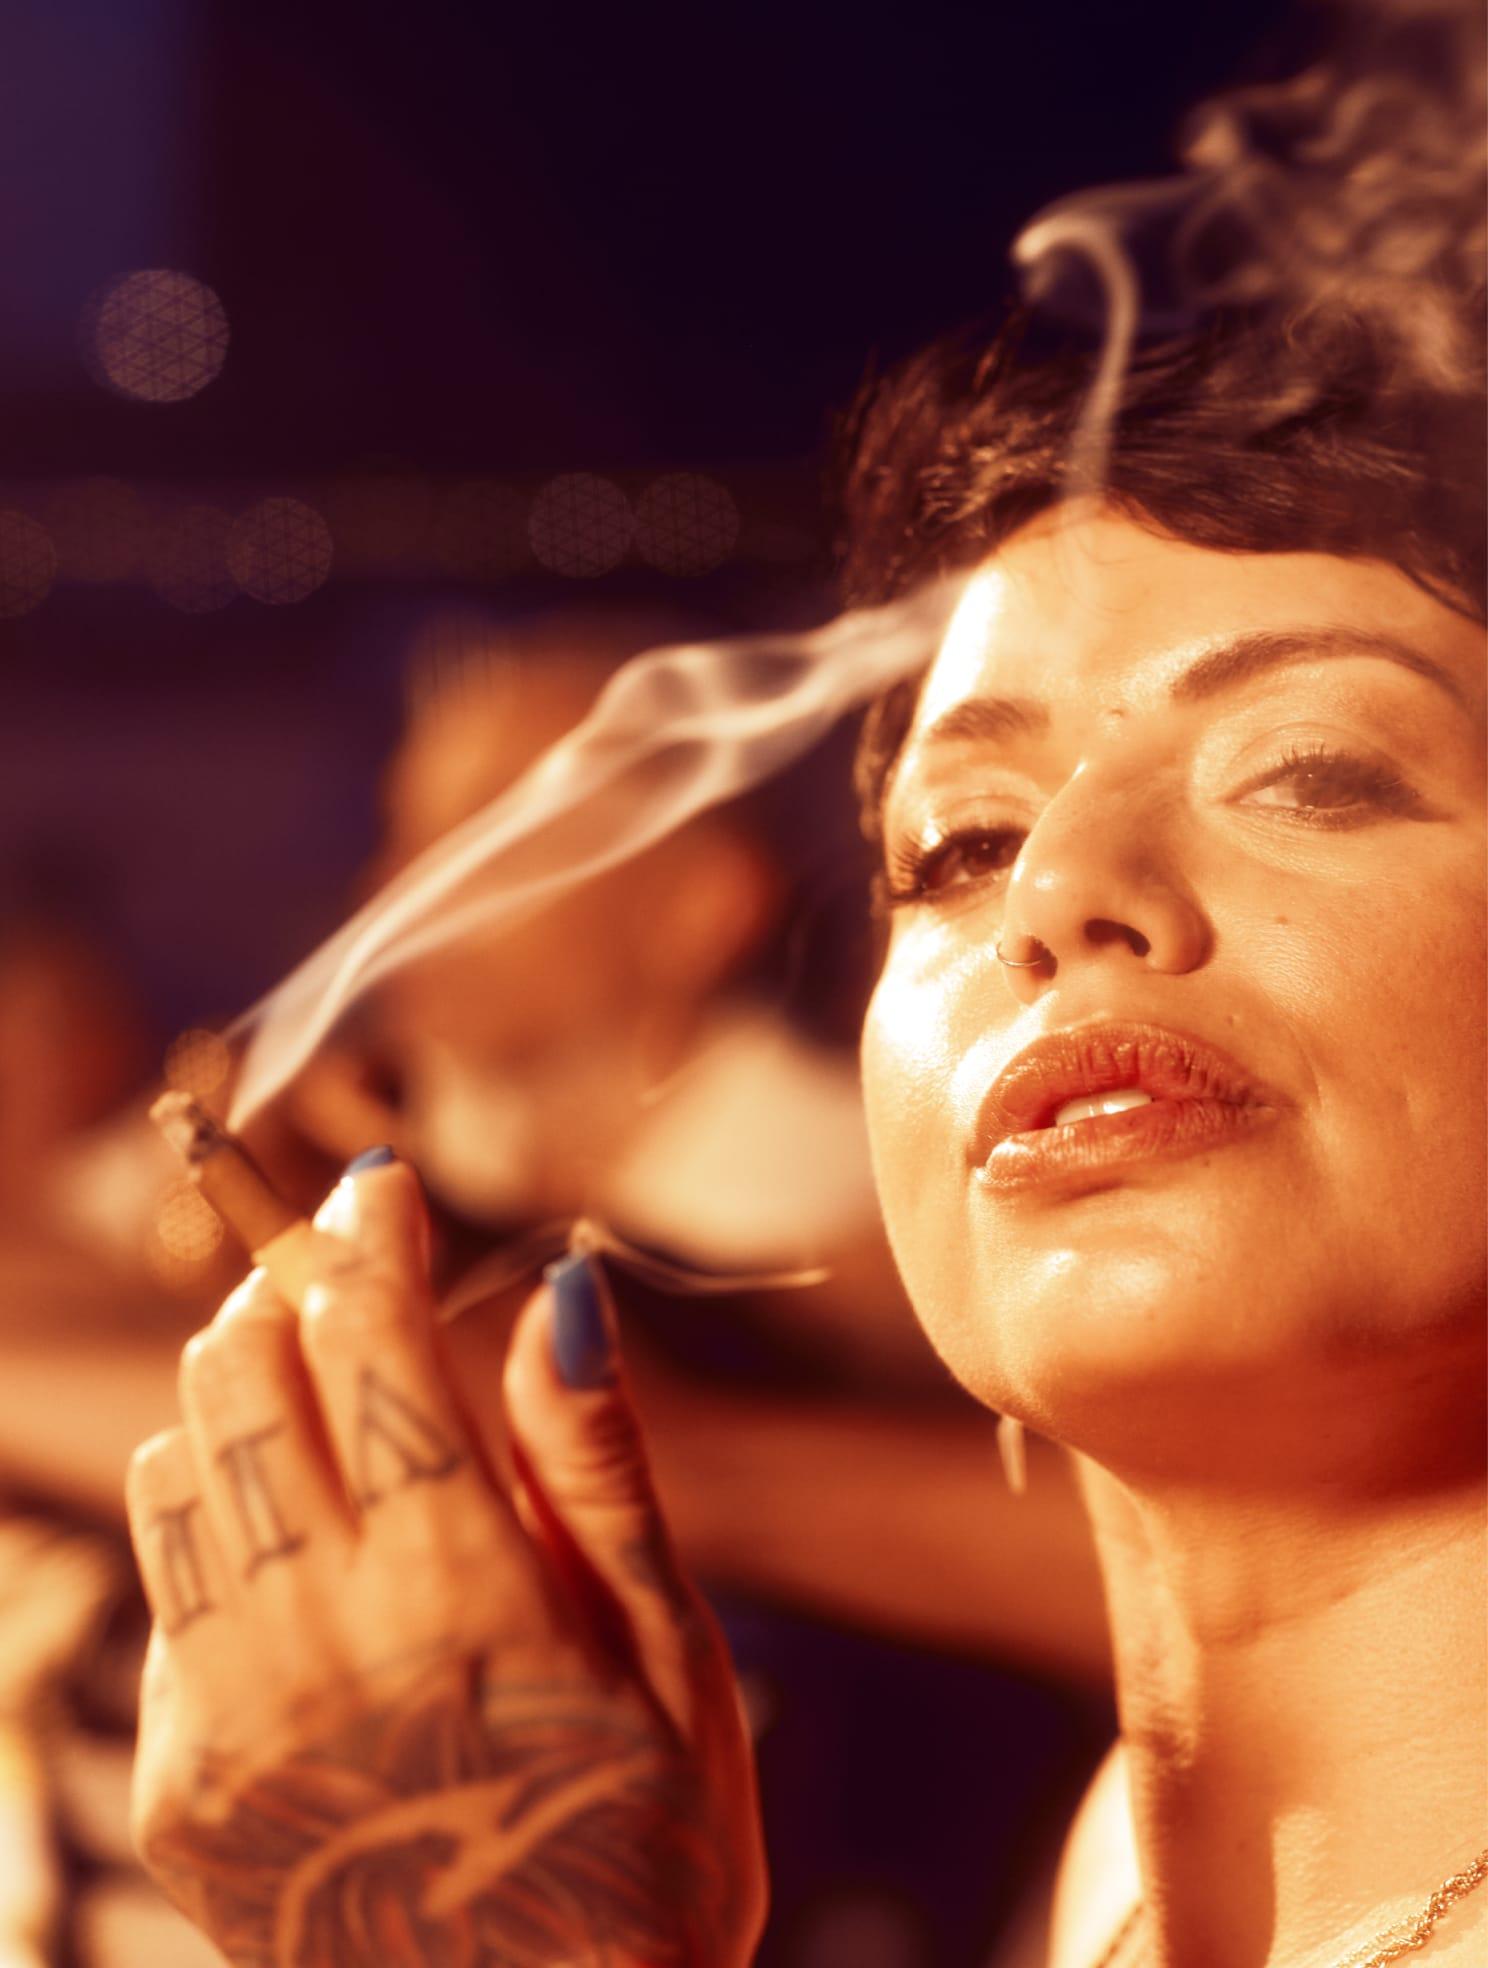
1405,1938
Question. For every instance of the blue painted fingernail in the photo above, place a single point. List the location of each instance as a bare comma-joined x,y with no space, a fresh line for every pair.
370,1158
583,1345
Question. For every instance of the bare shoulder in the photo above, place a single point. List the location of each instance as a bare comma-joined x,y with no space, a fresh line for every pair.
1097,1882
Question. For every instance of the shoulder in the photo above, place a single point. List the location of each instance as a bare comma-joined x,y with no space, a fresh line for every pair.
1097,1880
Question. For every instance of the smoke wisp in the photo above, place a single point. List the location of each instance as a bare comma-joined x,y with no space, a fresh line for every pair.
1344,202
675,731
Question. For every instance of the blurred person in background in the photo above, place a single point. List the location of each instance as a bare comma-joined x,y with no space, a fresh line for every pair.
625,1053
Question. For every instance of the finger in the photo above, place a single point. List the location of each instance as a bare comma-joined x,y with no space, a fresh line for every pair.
572,1416
367,1337
185,1580
394,1235
270,1486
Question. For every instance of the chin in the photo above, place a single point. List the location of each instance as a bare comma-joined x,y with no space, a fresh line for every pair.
1053,1315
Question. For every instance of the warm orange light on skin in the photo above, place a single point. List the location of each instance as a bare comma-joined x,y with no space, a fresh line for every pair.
962,653
1347,963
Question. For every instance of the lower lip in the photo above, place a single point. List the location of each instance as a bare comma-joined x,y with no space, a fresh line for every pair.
1162,1130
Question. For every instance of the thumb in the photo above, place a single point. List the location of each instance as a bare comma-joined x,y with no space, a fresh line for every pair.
571,1414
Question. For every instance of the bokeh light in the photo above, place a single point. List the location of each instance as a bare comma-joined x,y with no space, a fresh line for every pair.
480,530
197,1062
280,551
185,1235
28,563
188,562
101,527
156,336
381,525
686,524
580,525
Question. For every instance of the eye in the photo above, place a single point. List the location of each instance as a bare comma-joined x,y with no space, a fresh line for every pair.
1332,789
920,870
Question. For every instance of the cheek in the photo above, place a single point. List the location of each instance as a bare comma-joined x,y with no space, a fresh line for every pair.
1407,1043
927,1057
909,1057
1383,992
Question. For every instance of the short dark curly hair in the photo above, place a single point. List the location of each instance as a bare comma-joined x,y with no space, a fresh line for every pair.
1248,435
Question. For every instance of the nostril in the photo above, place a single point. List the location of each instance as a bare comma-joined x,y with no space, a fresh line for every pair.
1101,931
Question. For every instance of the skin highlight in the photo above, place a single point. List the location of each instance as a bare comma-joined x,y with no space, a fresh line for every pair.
1268,1357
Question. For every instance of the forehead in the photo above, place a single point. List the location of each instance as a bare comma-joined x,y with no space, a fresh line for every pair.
1088,611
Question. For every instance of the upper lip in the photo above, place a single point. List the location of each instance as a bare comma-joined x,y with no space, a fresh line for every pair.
1098,1058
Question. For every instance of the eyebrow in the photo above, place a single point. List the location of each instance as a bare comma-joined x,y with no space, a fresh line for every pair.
1243,657
1238,659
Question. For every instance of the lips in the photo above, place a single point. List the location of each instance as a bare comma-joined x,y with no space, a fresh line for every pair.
1199,1099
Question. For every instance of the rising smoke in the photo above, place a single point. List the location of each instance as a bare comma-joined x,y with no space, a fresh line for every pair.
1347,199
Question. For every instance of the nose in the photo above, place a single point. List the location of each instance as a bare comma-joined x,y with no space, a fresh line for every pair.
1096,882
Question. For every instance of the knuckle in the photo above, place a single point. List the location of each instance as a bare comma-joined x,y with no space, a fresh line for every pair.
608,1451
244,1337
602,1489
251,1306
155,1456
356,1301
209,1361
157,1474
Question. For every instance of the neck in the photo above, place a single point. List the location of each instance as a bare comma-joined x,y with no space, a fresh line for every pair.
1302,1682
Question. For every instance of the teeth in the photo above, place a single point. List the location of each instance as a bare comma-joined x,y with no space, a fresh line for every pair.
1087,1107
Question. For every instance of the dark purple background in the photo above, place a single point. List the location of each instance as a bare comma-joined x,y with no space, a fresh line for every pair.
497,239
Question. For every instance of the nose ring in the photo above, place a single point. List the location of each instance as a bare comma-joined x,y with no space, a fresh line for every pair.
1028,963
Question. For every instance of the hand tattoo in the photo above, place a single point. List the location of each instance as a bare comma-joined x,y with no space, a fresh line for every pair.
537,1826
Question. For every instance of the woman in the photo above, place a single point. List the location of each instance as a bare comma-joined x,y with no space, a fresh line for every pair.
1185,817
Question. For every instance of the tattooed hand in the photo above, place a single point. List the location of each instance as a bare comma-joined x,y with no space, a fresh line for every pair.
398,1713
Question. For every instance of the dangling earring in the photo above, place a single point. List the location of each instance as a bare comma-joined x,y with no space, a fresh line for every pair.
1011,1449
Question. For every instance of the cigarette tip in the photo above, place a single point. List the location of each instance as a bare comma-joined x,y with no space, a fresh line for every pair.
187,1126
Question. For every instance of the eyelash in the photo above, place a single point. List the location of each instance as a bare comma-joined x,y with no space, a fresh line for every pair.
910,864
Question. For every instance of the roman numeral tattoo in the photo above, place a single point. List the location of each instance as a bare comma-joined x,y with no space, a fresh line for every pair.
394,1445
264,1530
182,1580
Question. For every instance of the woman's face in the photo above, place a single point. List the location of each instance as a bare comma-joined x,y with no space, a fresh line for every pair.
1283,858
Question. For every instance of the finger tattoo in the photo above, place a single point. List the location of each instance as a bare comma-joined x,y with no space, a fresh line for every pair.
395,1445
183,1581
265,1531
